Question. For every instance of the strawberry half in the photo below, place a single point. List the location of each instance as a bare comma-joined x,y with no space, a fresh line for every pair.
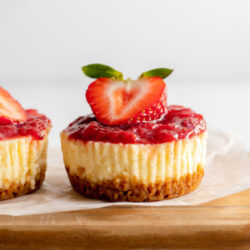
10,109
117,102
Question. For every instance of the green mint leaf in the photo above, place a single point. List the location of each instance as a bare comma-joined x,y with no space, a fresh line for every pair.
100,70
161,72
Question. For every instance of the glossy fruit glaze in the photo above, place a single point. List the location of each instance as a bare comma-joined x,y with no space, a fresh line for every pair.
36,126
178,123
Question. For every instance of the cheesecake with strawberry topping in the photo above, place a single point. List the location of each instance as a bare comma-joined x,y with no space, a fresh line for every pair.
134,147
23,148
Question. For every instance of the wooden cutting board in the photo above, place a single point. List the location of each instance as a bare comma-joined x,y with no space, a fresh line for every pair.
220,224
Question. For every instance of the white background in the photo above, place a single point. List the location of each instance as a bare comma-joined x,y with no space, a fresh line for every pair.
44,43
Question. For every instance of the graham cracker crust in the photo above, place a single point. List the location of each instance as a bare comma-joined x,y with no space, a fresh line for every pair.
16,190
121,189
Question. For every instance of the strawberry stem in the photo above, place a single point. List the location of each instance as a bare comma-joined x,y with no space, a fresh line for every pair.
100,70
160,72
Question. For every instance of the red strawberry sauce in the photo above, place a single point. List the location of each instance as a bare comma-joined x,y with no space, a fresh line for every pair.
35,126
178,123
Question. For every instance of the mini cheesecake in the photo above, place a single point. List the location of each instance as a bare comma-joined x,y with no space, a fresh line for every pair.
142,162
23,155
134,147
23,148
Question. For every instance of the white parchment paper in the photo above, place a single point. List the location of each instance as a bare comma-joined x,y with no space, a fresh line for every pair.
227,172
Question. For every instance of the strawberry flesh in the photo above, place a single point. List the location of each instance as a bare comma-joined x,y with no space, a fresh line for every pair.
116,102
155,112
10,109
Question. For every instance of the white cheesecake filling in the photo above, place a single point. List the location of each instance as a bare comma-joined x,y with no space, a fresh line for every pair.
148,163
20,160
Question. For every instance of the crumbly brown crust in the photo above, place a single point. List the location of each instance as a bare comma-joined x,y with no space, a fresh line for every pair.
16,190
121,189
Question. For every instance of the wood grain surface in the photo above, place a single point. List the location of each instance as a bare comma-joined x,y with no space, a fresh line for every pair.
220,224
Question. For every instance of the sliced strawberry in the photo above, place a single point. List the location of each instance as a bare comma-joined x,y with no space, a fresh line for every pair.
10,109
155,112
116,102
